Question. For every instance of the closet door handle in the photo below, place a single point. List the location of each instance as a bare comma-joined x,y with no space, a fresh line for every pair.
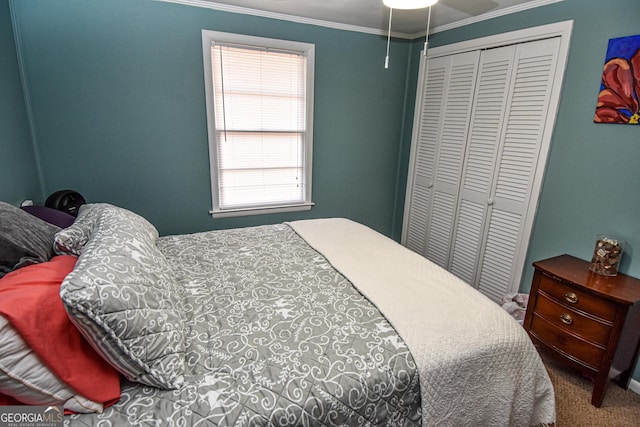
490,202
430,185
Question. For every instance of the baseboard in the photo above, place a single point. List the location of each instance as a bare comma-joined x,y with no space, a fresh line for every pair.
634,386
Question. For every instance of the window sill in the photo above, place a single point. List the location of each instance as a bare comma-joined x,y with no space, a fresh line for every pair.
226,213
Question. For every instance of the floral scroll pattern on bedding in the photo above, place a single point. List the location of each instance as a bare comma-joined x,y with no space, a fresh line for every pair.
274,336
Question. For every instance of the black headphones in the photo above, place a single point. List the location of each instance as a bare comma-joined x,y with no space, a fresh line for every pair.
68,201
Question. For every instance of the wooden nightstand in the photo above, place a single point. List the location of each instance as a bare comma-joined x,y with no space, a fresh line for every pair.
589,321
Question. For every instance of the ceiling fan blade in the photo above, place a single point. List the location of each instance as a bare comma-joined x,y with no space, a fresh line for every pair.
471,7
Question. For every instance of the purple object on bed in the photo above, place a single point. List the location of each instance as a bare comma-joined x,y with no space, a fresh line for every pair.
50,215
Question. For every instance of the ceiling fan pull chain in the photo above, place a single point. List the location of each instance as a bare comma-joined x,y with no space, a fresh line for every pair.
407,4
426,38
386,59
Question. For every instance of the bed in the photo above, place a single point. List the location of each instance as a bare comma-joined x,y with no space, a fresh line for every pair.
308,323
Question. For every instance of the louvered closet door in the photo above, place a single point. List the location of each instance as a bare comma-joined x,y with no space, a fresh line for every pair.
518,158
423,155
438,153
481,126
486,122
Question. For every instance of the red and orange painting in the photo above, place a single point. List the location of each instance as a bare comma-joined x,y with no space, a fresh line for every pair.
619,97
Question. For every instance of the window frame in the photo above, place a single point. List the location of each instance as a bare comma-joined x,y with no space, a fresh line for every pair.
209,38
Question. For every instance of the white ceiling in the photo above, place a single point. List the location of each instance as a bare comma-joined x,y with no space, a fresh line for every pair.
371,15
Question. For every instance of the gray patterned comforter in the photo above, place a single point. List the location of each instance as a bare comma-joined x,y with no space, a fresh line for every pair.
275,336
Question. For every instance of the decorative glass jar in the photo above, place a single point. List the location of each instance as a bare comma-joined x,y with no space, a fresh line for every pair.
607,255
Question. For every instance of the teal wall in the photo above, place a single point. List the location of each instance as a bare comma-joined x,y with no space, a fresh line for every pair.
19,178
117,96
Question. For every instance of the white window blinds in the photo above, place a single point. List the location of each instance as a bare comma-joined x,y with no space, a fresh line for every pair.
261,127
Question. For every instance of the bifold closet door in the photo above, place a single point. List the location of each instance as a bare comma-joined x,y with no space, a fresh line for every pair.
439,145
477,177
477,142
513,202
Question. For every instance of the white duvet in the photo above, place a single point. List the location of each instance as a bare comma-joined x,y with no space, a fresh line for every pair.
477,365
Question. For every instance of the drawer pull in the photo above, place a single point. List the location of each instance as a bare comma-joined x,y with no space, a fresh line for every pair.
571,297
566,319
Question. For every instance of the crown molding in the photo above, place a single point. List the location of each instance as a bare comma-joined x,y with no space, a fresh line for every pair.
347,27
285,17
490,15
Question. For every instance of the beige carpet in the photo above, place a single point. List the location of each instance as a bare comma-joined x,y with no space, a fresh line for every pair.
620,407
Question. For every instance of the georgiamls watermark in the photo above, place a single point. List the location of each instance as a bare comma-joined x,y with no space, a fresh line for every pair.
31,416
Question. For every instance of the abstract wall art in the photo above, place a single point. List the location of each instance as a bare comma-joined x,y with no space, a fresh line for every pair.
619,97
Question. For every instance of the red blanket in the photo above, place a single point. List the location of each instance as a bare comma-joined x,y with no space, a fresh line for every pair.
30,300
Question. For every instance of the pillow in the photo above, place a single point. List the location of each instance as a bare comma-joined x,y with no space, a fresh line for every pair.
122,296
24,239
71,240
44,358
50,215
25,378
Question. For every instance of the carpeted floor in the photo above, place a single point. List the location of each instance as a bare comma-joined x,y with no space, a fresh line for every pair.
620,407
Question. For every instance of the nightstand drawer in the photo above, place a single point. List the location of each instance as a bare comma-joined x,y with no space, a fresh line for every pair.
569,344
571,321
570,296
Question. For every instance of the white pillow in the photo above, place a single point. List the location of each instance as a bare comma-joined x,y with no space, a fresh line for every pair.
24,377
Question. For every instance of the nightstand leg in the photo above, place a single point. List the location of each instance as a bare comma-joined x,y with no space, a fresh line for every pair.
598,390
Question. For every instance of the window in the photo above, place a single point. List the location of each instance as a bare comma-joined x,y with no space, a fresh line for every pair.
259,115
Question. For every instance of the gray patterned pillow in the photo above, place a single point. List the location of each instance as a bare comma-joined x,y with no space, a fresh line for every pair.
70,240
123,297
